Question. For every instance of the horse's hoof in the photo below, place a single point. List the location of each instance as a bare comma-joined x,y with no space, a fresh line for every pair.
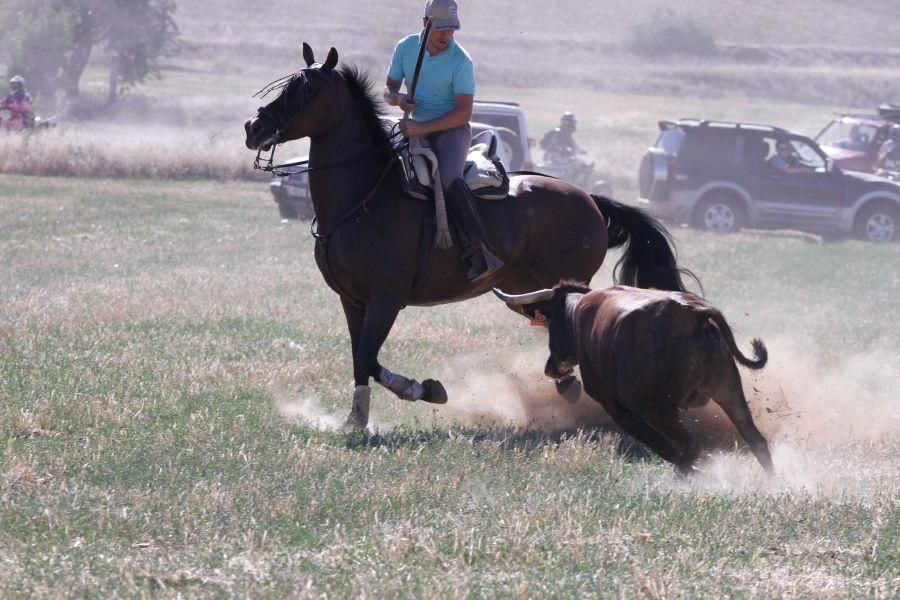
354,422
569,388
434,392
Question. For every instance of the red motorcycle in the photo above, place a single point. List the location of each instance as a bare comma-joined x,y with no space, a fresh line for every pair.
13,119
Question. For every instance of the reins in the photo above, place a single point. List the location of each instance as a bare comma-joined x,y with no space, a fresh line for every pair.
265,164
323,237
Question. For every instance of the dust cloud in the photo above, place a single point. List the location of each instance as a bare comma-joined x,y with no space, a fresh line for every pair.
805,399
829,426
515,393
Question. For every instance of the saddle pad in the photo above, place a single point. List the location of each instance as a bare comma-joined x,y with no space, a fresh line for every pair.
485,175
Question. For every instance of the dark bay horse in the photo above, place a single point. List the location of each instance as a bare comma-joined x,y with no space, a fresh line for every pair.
374,243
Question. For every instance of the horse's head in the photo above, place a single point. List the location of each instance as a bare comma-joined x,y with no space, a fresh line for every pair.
305,106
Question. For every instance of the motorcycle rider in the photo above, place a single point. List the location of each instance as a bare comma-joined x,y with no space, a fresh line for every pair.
558,144
19,102
889,152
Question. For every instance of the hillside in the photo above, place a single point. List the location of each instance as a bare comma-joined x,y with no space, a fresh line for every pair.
844,55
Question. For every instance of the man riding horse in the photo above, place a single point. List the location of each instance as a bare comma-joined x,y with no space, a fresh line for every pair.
441,110
371,236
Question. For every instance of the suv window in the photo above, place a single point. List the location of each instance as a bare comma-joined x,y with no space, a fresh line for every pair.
670,140
804,154
708,150
508,121
850,135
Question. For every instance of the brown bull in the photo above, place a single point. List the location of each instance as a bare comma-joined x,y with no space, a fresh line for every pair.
646,355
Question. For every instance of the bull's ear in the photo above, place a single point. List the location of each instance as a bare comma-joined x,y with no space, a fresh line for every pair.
331,61
308,55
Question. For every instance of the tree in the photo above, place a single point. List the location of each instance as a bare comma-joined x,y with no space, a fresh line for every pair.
38,44
139,33
53,40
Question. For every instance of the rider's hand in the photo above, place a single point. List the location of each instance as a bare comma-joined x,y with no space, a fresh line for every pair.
405,104
411,128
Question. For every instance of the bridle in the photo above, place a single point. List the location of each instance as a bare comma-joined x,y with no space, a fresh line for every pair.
275,116
275,112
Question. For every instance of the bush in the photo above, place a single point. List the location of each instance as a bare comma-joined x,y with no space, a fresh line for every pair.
668,33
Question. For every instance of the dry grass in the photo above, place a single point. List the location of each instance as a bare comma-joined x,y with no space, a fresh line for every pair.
183,362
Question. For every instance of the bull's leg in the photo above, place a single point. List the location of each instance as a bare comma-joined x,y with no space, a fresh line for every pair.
670,423
569,388
732,400
639,429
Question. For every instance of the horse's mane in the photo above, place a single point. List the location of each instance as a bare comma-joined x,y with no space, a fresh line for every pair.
361,89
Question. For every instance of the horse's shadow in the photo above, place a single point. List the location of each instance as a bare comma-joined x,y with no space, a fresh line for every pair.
713,430
506,439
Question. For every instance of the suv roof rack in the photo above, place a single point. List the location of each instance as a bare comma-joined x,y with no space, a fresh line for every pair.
693,122
496,102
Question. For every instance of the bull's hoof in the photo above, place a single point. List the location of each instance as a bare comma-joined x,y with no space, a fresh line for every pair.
434,392
569,388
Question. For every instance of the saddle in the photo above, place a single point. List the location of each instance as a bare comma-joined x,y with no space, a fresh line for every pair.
484,172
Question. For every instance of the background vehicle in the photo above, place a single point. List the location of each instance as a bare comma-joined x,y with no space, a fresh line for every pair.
717,176
291,192
578,171
852,141
7,123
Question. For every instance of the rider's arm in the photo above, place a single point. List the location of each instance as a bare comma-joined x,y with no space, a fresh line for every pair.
460,115
393,96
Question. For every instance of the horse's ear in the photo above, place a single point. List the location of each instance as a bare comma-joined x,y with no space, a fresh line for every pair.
308,55
331,61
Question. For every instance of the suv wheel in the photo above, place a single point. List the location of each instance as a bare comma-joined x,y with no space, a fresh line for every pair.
878,223
719,213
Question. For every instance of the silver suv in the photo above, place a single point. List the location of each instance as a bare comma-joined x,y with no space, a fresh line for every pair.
723,176
506,119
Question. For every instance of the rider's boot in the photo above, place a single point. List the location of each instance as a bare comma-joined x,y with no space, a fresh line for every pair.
480,260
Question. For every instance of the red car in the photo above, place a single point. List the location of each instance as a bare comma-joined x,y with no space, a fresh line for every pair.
852,141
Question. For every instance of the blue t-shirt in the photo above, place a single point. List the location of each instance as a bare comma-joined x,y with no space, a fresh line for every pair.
441,77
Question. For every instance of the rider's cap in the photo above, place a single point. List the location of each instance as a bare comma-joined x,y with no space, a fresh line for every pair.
17,79
444,13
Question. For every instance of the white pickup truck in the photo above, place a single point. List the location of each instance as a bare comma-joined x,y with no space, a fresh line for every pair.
291,192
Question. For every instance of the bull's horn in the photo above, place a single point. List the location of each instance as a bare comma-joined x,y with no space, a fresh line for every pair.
522,299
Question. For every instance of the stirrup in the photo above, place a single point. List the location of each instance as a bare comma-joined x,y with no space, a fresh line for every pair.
482,262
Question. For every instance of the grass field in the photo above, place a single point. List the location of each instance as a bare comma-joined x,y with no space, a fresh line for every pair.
171,363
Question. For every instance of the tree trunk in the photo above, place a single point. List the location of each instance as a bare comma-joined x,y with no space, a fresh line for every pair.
81,54
113,94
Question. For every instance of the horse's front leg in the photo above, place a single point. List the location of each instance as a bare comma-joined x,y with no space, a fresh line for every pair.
380,314
359,412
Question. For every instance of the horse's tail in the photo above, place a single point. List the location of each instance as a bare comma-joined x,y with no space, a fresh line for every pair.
649,259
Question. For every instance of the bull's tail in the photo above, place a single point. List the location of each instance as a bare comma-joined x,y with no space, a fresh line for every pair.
649,259
760,354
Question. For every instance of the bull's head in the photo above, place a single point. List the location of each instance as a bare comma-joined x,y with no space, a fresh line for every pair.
548,308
